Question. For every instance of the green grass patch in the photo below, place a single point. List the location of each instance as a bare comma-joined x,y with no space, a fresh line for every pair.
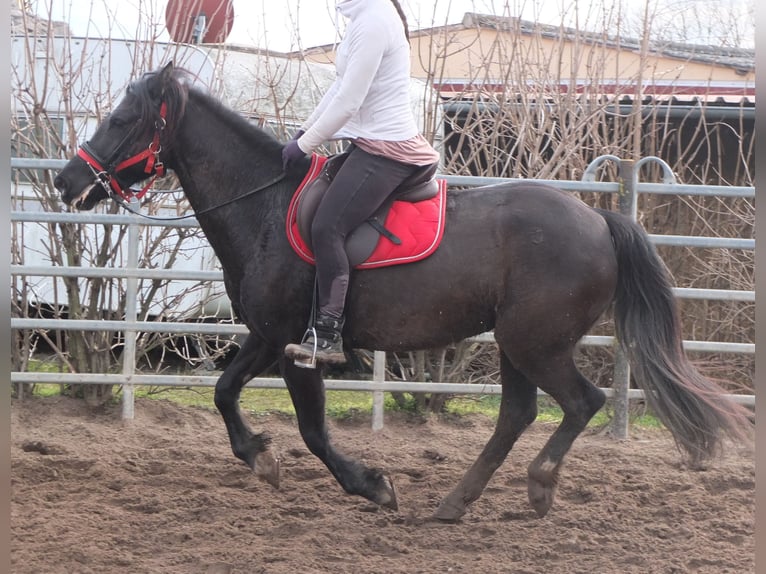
37,366
348,404
47,389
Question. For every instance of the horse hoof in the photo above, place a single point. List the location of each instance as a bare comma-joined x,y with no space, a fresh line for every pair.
449,511
387,498
267,467
540,497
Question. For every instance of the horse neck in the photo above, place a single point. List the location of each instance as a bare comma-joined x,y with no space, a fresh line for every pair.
218,156
218,159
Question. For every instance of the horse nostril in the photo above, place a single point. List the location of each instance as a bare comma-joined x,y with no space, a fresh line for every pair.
60,183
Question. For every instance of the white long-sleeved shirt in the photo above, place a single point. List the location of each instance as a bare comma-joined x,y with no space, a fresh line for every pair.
370,95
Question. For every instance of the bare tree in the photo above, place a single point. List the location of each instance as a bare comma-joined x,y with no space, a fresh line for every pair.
49,69
514,120
540,119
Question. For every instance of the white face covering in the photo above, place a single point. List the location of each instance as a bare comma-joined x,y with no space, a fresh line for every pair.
348,7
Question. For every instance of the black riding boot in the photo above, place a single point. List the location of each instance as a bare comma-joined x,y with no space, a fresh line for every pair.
326,347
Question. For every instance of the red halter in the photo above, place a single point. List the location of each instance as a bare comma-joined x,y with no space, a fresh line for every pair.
151,155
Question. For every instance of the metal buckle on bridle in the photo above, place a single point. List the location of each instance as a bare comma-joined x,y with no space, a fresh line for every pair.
102,177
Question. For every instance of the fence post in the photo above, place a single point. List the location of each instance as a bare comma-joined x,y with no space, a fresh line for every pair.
378,375
131,315
628,205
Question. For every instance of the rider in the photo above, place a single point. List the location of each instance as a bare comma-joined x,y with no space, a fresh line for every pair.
369,104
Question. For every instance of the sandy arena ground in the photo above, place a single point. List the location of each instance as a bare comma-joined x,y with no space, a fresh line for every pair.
164,494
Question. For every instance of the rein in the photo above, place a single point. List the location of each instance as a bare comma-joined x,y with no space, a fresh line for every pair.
106,172
124,203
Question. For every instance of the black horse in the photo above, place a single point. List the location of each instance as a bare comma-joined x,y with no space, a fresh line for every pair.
526,260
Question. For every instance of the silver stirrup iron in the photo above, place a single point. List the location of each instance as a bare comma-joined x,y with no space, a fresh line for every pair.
312,362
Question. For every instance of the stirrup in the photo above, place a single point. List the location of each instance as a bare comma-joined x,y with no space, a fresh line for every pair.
310,334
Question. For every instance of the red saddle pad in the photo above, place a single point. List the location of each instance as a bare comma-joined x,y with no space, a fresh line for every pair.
419,225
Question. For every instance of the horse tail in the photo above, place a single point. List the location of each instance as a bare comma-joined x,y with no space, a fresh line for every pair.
648,328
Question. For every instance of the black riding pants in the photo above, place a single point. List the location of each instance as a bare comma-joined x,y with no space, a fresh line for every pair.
362,184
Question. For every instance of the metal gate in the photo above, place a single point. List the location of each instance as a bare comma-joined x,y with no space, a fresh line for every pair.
627,188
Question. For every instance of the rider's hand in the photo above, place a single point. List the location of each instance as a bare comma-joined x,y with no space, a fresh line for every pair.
291,153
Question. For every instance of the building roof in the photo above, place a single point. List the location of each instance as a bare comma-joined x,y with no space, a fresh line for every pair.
687,92
741,59
25,22
678,91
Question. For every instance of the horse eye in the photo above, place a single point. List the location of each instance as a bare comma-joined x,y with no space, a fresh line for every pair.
117,122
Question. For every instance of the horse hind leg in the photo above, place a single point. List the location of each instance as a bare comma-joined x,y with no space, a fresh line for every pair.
579,399
518,409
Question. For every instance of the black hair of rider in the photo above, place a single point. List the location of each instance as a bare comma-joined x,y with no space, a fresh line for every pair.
403,17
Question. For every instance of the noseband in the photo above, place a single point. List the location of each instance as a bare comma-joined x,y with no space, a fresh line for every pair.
106,172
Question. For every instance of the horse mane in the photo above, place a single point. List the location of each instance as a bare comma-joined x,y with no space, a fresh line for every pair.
177,92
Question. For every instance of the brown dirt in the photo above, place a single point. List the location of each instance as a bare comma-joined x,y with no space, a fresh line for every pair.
164,494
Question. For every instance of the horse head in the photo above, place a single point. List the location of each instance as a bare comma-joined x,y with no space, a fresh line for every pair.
128,144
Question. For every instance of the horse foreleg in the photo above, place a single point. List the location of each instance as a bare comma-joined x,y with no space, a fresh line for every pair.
308,395
252,358
580,400
518,409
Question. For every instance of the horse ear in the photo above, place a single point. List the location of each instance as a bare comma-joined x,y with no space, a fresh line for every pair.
167,71
162,80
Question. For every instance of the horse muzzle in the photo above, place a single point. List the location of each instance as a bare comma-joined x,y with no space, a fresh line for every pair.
78,186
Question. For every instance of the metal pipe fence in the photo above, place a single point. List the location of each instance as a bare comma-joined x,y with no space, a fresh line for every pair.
628,187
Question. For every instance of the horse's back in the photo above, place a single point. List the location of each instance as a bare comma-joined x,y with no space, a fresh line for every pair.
527,204
530,225
547,242
518,252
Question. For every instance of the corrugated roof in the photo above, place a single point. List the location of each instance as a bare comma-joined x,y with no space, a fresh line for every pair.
676,92
736,58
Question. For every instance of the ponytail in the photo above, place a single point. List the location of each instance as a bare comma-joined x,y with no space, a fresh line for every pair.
403,17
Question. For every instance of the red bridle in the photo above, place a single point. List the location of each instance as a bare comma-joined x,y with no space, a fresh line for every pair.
151,155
